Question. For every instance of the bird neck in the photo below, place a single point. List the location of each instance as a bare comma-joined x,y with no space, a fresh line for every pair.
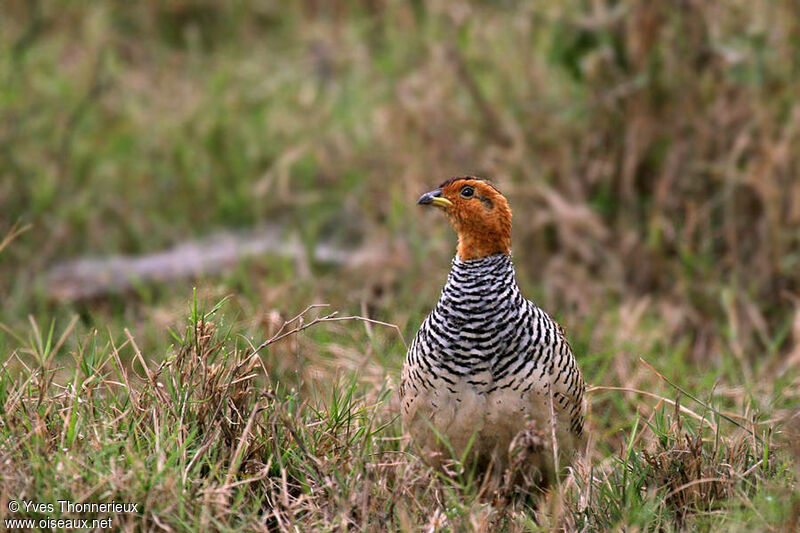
480,284
473,246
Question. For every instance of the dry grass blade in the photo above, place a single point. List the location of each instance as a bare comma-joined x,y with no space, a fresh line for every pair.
660,398
704,404
240,447
693,483
212,438
150,376
331,317
12,234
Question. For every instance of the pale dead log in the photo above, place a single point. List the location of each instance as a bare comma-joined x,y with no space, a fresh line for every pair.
94,277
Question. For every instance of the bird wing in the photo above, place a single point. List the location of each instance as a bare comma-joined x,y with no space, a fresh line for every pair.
568,384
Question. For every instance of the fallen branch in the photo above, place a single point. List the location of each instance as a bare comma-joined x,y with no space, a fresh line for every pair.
93,277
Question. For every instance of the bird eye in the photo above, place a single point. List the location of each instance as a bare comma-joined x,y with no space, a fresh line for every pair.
467,192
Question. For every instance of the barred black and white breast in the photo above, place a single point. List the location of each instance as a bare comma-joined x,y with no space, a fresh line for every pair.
480,369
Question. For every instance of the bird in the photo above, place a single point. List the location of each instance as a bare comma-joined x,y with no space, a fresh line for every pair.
488,371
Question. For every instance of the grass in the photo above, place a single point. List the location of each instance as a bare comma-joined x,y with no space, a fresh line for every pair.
649,153
209,438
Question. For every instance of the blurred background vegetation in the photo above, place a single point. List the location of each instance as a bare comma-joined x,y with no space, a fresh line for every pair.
650,151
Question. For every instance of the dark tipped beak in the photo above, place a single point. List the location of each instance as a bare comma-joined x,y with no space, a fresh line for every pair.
434,198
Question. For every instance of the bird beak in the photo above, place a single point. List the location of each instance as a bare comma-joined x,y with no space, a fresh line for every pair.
434,198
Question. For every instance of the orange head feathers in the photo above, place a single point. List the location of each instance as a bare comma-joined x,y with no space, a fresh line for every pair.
479,214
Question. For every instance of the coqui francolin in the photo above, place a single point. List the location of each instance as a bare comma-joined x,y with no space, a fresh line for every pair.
488,366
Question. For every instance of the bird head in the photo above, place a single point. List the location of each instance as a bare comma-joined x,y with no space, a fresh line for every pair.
478,212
